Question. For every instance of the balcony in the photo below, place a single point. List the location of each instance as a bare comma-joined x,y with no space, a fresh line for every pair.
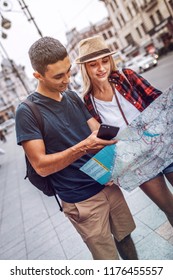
150,5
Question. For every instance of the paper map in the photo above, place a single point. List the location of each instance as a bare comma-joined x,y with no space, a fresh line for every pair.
144,148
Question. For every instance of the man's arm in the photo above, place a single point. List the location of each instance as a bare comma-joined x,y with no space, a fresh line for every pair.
46,164
93,124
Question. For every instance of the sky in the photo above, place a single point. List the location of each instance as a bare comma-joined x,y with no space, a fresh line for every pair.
53,18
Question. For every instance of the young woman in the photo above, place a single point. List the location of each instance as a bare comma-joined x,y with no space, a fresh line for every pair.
110,98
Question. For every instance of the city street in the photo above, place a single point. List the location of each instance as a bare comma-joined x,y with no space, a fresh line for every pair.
161,76
32,227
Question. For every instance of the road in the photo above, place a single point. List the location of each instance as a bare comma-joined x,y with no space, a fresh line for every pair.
161,76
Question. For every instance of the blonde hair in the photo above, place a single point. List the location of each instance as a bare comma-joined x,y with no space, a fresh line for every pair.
86,81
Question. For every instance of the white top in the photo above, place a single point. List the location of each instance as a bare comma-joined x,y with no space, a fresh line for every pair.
110,114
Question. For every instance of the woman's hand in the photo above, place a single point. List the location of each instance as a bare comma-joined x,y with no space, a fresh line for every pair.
110,183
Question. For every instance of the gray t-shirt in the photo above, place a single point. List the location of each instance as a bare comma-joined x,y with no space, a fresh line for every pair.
65,124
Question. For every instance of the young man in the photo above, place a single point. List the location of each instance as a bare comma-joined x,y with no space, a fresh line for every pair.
98,212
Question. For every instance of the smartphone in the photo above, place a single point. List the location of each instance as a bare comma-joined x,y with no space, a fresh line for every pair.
107,132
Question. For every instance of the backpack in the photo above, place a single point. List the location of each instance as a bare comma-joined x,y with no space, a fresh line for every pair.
41,183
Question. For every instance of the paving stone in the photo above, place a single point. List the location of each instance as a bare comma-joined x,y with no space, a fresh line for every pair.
35,219
141,231
13,236
11,209
165,230
11,244
50,204
45,247
65,230
169,256
15,252
171,240
10,222
33,244
152,216
153,247
83,255
39,234
35,209
54,253
73,246
137,201
58,219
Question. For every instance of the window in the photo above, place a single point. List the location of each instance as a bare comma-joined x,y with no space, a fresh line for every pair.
115,45
153,20
8,82
122,18
171,3
129,10
110,33
139,32
135,6
159,15
113,9
144,28
115,3
111,48
119,22
130,39
104,36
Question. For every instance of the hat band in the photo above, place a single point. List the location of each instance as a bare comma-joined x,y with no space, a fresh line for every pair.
94,54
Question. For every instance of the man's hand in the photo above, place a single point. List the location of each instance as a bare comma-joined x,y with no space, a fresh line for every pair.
95,144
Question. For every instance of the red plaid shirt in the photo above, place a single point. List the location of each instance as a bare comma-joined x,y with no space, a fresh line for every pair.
138,91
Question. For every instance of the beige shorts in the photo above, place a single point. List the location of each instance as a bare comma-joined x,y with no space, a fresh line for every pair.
99,219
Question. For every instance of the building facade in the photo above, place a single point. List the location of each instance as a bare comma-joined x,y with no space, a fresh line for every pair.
141,25
14,87
132,27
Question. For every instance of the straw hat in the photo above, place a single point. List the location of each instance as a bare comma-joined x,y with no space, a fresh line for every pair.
92,48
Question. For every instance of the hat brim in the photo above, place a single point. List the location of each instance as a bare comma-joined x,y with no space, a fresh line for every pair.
78,60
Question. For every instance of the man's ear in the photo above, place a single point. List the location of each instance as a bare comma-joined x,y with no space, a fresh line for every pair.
37,75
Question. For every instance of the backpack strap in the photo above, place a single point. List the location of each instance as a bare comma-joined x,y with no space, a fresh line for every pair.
34,108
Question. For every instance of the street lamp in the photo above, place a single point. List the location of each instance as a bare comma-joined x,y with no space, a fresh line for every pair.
3,35
5,5
5,23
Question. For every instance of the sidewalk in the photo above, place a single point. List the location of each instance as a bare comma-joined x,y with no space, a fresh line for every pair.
32,227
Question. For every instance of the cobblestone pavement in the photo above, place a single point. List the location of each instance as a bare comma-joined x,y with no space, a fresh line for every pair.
32,227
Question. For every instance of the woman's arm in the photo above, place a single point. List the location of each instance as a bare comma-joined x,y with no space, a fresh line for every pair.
93,124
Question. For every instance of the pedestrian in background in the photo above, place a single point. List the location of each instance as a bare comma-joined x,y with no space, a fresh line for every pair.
116,99
2,136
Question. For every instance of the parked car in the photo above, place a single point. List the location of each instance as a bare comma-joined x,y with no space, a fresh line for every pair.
141,63
146,63
131,64
155,55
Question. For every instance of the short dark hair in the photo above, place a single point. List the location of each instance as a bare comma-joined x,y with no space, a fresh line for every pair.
46,51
